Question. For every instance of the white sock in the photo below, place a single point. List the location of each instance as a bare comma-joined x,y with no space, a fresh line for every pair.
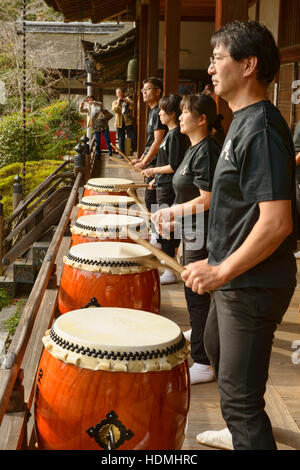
168,277
201,373
187,334
218,439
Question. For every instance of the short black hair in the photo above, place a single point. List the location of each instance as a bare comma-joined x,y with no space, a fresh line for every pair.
156,82
171,104
249,38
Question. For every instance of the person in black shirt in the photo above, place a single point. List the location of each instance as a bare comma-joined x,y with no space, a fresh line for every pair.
169,157
251,269
296,140
192,184
152,92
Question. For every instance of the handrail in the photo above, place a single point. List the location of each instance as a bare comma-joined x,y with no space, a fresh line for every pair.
47,181
13,359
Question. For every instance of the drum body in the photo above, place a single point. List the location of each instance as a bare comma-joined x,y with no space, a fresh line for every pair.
91,205
96,186
99,401
108,275
106,227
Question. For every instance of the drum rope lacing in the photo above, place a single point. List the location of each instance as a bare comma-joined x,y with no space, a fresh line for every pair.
102,204
116,355
108,263
104,228
112,187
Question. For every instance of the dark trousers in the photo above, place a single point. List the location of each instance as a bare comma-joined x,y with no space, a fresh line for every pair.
298,198
121,137
97,137
238,340
165,196
198,307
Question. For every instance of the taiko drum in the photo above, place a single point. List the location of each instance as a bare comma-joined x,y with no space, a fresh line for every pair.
109,274
96,186
112,379
91,205
106,227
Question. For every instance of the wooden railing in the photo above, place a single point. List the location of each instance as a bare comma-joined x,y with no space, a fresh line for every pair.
19,368
10,372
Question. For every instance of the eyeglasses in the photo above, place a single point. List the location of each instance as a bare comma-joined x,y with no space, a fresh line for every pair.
147,89
213,60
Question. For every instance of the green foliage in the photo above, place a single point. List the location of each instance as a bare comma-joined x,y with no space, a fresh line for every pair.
4,298
46,133
36,172
12,323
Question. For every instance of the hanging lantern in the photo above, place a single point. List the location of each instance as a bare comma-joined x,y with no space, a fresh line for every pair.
132,70
89,63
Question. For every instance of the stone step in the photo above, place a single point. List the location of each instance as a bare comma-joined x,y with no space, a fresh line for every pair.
7,281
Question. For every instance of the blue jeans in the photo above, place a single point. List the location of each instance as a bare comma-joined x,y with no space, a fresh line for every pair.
97,136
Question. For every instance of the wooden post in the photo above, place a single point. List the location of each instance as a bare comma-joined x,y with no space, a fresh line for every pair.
141,106
171,45
227,11
80,167
153,37
17,191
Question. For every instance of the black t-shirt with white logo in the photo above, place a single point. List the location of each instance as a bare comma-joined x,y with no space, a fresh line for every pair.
171,152
196,172
154,123
257,164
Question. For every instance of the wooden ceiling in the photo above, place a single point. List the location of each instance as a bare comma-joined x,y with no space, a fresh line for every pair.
100,10
95,10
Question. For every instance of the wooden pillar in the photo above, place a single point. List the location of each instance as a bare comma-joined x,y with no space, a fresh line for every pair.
153,38
143,53
171,45
227,11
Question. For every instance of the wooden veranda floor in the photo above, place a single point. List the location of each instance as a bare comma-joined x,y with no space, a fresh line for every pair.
283,389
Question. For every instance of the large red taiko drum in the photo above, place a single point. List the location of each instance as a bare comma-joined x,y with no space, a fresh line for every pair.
91,205
107,227
112,379
96,186
109,274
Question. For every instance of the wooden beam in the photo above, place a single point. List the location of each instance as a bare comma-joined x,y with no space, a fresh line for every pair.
153,38
141,106
171,46
227,11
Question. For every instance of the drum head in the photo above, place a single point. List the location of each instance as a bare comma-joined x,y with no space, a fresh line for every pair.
105,184
105,200
117,339
107,222
108,257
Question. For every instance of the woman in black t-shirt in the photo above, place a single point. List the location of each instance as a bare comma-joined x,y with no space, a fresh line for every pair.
192,184
169,157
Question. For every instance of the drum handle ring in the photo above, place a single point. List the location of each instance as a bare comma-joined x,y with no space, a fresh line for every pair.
110,438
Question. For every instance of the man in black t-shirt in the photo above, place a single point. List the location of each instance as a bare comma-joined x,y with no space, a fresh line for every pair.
152,92
251,268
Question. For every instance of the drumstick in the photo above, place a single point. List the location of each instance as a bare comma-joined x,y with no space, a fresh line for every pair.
132,194
123,164
131,185
121,153
124,211
127,165
173,264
